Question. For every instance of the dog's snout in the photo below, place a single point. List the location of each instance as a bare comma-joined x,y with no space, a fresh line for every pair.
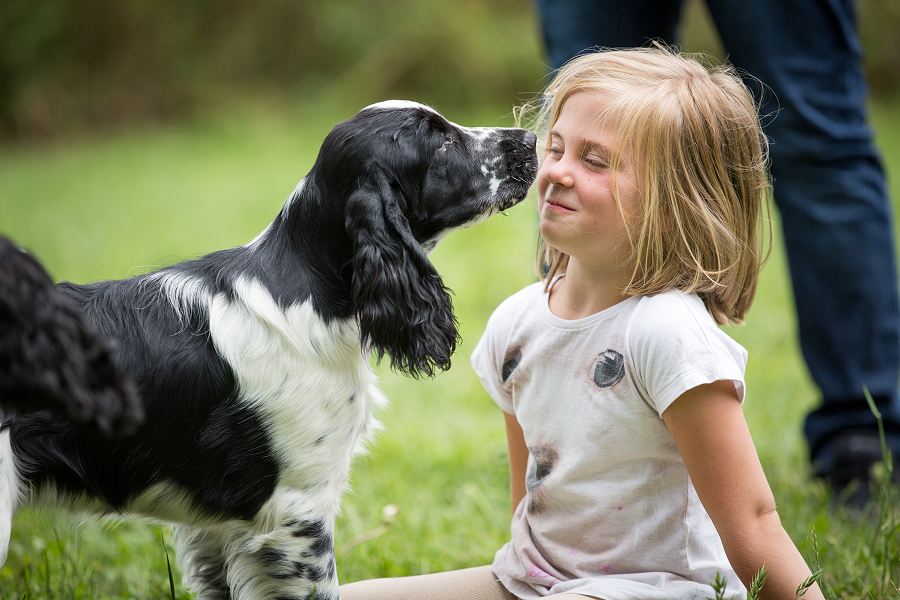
518,144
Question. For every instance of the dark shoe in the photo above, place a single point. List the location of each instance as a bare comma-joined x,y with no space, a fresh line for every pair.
853,454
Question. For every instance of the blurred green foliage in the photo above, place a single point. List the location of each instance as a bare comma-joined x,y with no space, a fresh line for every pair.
879,29
66,64
76,65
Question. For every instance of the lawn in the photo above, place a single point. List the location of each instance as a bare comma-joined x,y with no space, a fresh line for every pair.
127,204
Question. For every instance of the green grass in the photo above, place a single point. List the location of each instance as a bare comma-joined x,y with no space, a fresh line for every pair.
115,207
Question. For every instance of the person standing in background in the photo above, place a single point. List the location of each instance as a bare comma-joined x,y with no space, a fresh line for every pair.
802,60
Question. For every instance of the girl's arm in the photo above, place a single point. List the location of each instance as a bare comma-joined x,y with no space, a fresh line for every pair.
518,459
708,426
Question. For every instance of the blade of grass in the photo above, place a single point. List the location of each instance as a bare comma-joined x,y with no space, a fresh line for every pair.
162,537
886,505
757,584
806,584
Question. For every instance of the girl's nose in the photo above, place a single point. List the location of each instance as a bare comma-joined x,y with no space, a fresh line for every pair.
561,173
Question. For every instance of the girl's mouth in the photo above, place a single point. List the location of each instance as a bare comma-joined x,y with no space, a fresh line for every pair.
552,200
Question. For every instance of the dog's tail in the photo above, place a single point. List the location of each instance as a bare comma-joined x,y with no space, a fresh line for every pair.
51,358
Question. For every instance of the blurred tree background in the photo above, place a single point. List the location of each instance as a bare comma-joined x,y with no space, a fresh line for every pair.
75,66
70,65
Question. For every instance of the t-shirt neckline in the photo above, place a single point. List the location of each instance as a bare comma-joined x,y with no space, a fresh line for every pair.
587,321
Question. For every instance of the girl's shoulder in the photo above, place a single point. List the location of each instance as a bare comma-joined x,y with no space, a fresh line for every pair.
526,299
671,308
677,322
674,344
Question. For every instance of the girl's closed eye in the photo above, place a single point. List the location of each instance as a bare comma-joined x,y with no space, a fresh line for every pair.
595,162
595,155
553,151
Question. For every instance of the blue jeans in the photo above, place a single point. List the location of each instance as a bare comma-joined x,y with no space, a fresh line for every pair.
829,182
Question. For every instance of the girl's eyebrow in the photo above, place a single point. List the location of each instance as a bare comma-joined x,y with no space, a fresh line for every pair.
587,145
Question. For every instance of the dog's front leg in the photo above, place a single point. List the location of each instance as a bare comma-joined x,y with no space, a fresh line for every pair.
199,553
293,560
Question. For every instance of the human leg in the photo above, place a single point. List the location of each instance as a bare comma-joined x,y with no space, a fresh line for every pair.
570,27
830,190
476,583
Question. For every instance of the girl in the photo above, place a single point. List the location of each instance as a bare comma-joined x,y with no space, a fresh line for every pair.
632,469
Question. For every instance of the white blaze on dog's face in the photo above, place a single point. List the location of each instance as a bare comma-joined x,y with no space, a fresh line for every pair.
443,176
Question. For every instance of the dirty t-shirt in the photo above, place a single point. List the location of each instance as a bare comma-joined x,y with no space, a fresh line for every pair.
610,510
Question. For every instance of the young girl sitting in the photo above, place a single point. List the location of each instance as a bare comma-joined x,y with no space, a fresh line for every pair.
632,469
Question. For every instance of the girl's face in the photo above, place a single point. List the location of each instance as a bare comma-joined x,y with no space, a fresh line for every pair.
579,214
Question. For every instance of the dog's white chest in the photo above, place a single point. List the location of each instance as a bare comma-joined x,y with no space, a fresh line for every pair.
310,381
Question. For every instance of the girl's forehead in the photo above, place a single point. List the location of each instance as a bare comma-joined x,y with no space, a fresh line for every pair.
594,100
583,117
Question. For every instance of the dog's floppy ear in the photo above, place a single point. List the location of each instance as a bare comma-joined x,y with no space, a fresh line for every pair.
402,305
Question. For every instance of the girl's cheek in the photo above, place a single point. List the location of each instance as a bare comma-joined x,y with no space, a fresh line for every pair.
541,191
542,183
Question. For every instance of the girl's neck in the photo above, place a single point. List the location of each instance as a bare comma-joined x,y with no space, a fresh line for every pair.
582,292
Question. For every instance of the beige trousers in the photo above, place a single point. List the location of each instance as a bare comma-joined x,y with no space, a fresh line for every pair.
477,583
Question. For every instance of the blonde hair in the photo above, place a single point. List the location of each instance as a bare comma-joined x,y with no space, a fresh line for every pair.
694,139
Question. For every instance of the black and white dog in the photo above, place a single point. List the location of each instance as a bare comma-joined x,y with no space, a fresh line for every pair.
253,363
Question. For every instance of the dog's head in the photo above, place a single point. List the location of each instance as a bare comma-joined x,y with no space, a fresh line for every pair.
408,177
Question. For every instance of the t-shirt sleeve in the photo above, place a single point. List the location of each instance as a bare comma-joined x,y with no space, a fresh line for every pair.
675,346
487,360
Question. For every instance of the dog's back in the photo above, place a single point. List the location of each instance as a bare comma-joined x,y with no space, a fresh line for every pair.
196,436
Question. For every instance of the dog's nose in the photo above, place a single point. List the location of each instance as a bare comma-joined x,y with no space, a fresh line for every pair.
530,140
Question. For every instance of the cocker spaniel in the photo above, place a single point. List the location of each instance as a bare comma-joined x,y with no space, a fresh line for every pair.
253,363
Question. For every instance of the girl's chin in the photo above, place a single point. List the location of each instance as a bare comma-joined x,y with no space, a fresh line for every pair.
552,236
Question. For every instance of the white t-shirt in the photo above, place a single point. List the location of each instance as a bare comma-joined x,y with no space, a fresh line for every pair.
610,510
